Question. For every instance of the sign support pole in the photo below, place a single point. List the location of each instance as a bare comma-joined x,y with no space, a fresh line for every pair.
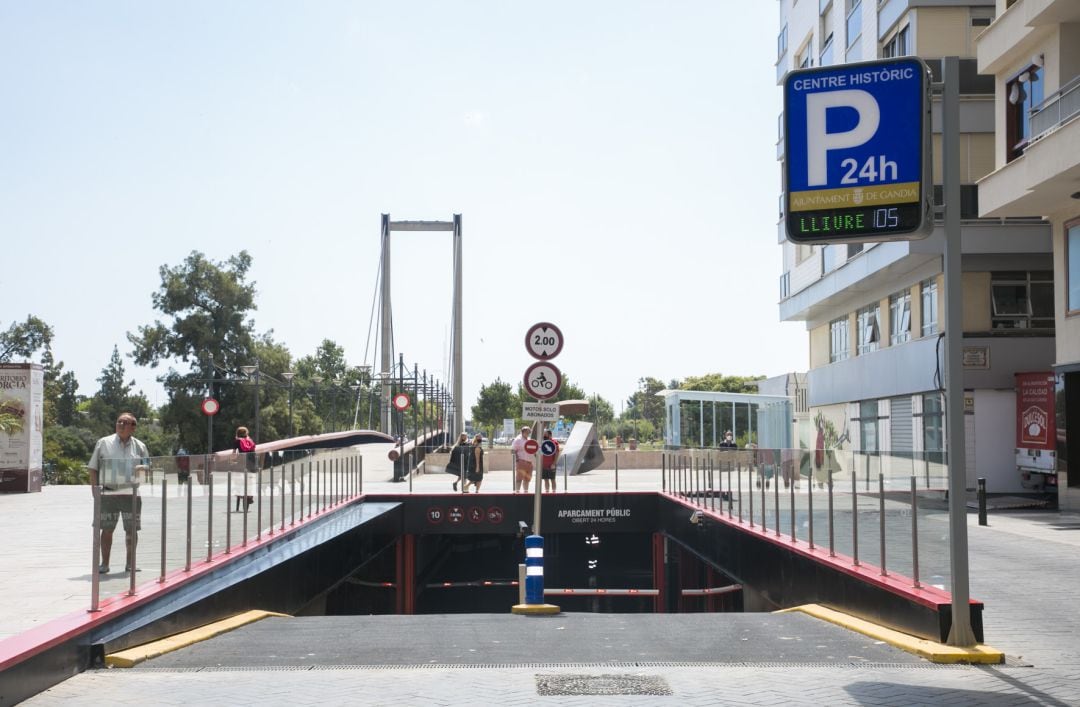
960,632
538,435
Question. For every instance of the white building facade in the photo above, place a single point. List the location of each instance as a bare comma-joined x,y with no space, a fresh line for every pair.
1032,51
874,313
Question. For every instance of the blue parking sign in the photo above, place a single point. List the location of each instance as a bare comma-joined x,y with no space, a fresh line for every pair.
857,152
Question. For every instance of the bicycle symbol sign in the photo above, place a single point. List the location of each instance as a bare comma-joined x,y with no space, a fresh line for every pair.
543,380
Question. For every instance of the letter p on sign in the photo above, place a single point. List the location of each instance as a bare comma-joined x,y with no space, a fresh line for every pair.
819,141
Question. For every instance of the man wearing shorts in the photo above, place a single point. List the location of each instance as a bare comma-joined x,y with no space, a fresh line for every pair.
115,465
548,462
523,461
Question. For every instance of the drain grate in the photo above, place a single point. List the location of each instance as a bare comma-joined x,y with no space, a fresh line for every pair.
570,685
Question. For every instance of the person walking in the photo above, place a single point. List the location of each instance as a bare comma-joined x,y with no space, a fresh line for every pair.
548,463
474,475
458,459
523,461
244,444
115,465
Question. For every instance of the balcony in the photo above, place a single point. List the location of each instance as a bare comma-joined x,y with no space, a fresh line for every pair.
1056,110
832,281
1042,179
909,368
1018,31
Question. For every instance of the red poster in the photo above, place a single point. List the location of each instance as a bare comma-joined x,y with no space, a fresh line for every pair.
1035,411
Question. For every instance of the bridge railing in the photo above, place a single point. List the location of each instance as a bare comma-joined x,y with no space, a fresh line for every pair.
873,510
198,509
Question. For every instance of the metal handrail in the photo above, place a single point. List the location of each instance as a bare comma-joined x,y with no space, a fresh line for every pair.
1058,108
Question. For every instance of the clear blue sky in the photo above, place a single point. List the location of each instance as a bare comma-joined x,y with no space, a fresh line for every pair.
614,163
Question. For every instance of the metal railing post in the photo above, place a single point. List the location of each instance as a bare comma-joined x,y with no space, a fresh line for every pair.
228,512
130,539
95,558
187,553
854,518
776,496
796,475
164,517
914,534
209,474
810,510
881,518
832,518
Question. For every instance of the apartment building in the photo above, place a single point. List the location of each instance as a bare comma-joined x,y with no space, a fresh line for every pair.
1032,51
874,313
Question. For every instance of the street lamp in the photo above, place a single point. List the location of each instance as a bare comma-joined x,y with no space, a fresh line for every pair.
250,371
317,379
288,376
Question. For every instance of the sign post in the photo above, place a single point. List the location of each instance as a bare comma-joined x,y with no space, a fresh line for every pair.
542,381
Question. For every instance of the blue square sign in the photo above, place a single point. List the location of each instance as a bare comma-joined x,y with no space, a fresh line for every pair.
857,152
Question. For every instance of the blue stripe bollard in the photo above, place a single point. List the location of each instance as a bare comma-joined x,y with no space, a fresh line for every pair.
534,569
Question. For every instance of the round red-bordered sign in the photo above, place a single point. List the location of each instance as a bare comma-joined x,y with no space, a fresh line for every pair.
210,407
543,380
401,401
531,446
543,341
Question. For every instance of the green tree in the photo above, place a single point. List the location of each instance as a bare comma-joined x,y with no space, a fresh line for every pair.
645,404
718,382
114,397
207,307
325,381
495,403
600,410
24,339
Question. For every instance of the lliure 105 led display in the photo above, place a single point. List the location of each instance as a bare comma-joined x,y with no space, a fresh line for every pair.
857,152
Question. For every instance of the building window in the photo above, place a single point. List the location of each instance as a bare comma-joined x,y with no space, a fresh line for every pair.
898,45
1021,94
932,422
854,21
838,340
1022,300
900,317
803,58
1072,267
868,321
781,43
928,295
868,426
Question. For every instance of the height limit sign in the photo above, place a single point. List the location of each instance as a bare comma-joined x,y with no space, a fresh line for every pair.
543,379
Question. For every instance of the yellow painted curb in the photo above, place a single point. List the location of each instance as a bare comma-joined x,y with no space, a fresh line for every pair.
535,609
133,656
931,650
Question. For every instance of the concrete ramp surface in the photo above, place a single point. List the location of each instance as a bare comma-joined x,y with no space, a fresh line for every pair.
582,451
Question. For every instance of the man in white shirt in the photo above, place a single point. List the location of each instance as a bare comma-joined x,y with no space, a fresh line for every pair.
115,465
523,461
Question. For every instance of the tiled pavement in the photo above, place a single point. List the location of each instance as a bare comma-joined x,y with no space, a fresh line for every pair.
1023,566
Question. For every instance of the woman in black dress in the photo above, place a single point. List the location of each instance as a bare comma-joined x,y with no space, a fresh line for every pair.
474,472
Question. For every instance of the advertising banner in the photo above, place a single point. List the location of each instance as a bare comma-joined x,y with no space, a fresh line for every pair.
21,426
1035,427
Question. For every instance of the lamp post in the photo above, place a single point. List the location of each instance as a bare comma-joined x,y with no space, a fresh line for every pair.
288,376
317,379
253,371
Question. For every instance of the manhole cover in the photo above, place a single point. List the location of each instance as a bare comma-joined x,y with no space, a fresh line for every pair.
601,685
